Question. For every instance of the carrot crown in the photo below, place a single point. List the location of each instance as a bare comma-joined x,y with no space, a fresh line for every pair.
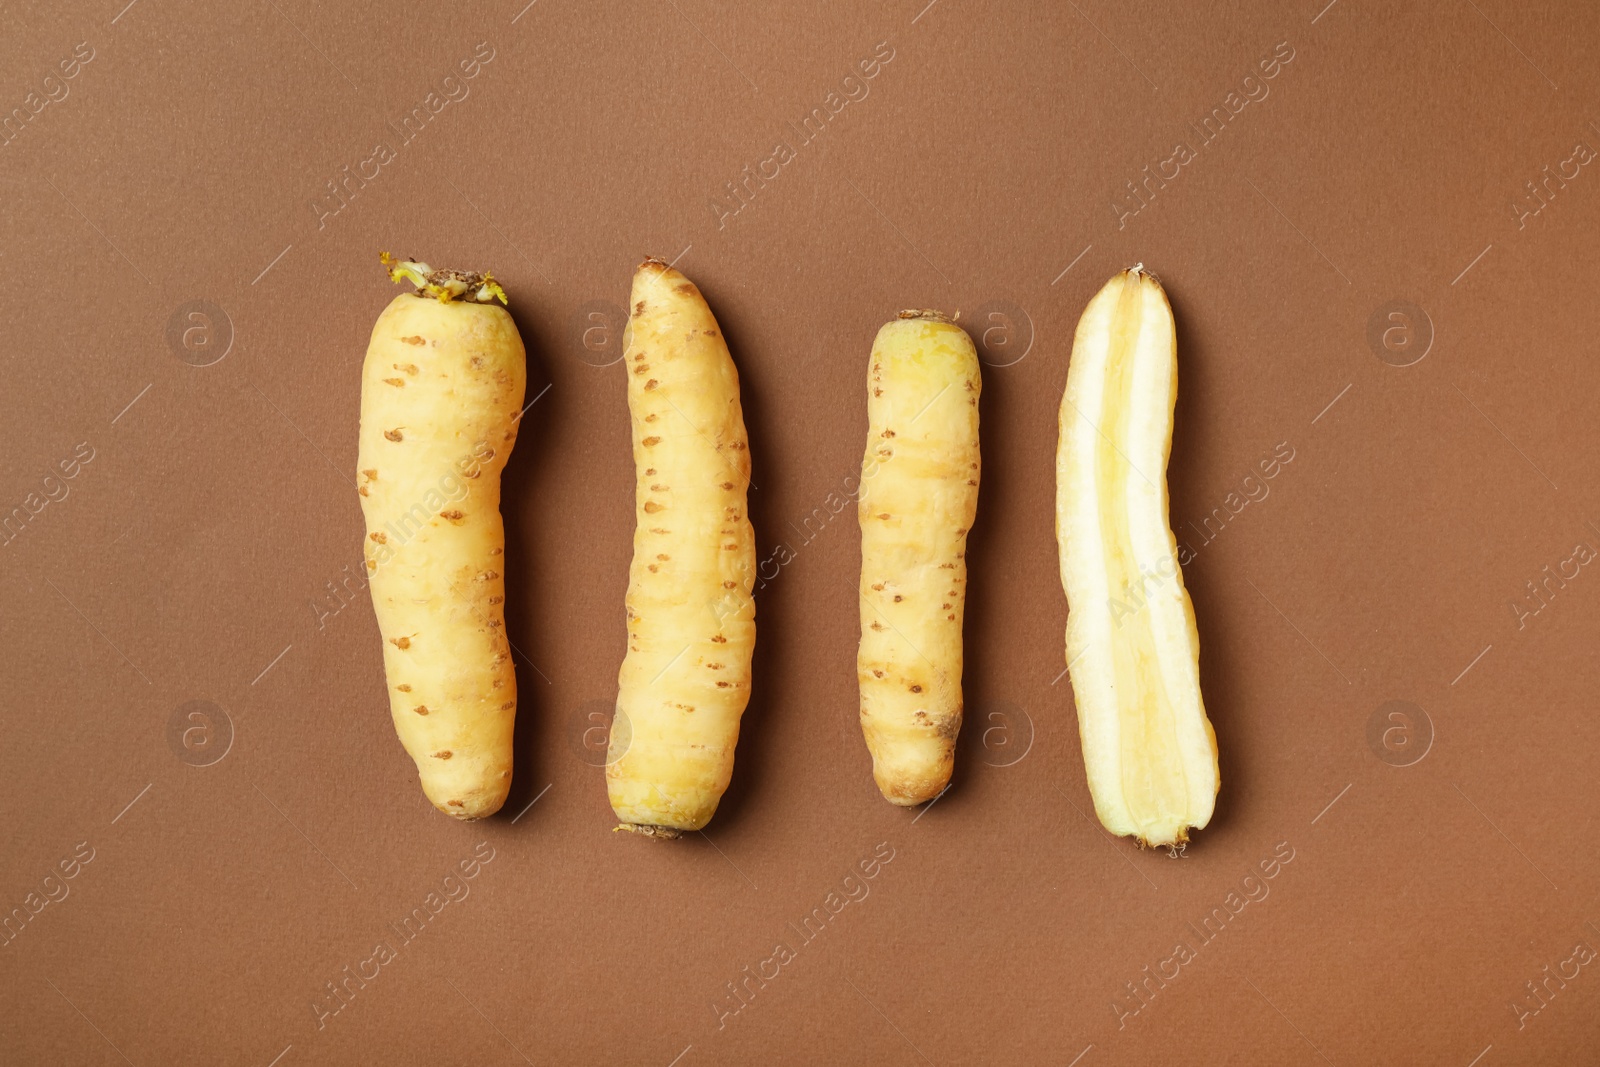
443,284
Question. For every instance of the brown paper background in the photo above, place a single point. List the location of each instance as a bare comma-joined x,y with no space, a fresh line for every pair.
977,174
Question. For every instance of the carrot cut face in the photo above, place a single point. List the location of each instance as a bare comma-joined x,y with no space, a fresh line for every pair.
1132,647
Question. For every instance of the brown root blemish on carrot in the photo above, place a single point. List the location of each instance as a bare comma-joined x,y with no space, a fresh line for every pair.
421,709
394,435
395,381
443,753
400,642
414,339
403,687
379,536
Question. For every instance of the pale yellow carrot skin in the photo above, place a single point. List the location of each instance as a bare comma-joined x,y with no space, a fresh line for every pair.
1132,645
441,389
919,494
685,679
